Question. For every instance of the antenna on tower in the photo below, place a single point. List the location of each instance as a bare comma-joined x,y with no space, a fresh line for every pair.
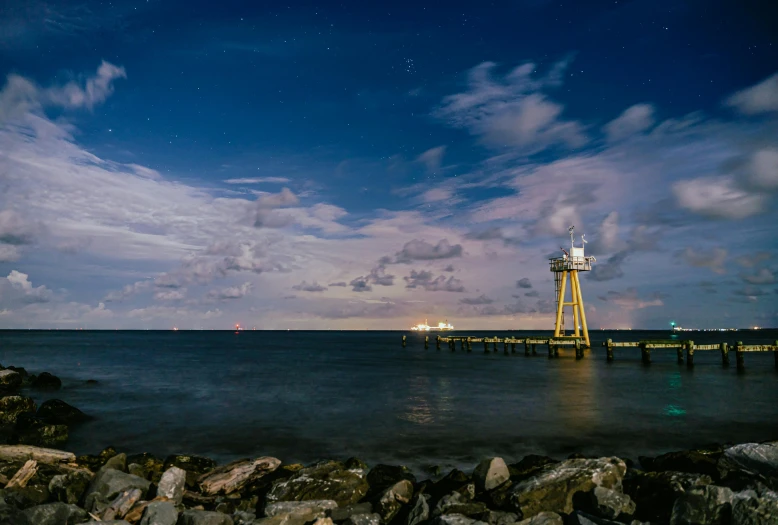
583,238
570,230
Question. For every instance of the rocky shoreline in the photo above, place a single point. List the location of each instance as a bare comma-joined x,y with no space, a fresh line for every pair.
44,485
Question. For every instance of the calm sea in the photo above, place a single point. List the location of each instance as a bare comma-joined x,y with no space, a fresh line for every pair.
303,396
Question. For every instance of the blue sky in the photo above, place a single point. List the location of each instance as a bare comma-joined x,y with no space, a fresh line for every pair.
369,166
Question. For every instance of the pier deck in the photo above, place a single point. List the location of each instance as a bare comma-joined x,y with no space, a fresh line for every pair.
554,343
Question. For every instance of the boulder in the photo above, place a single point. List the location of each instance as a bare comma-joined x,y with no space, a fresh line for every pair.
381,477
236,475
461,502
453,481
10,382
750,509
393,499
710,505
654,493
151,465
607,503
25,497
553,488
490,474
13,406
543,518
363,519
582,518
117,462
30,430
70,487
501,518
455,519
58,412
46,381
171,485
109,483
343,513
56,514
10,515
160,513
420,511
327,480
94,463
108,522
244,518
195,466
355,463
692,461
760,458
317,508
529,466
203,517
500,497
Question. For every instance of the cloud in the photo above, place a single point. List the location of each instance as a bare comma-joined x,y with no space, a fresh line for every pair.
491,234
360,284
763,173
449,268
523,283
712,259
437,195
481,299
95,90
267,215
341,283
258,180
763,276
15,230
610,269
233,292
635,119
533,293
718,197
432,158
761,98
629,299
19,289
512,112
313,287
171,295
751,293
607,237
424,279
417,250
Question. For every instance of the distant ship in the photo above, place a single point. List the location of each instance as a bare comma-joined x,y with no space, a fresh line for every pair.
427,328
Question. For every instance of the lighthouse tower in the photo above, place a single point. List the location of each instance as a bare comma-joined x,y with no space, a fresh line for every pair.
563,267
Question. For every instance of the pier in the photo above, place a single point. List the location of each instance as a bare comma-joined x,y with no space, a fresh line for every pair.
685,349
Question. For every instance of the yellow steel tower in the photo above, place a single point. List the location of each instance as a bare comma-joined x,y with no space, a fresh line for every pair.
569,265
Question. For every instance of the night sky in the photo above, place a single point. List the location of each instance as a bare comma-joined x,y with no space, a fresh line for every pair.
357,165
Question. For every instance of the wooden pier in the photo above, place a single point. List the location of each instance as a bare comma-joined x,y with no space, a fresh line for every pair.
492,344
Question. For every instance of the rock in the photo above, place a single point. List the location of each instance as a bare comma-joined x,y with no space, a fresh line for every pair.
609,504
151,465
420,512
58,412
30,430
382,477
343,513
355,463
94,463
108,522
691,461
236,475
109,483
171,485
750,510
500,497
25,497
318,508
70,487
364,519
328,480
160,513
46,381
12,406
117,462
10,515
710,505
582,518
501,518
203,517
137,470
453,481
195,466
543,518
529,466
56,514
393,498
755,457
654,493
490,474
455,519
460,502
10,381
553,488
244,518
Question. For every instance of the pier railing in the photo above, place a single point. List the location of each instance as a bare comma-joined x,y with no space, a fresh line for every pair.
554,343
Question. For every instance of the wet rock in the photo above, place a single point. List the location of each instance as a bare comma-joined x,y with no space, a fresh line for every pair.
342,513
529,466
244,518
171,485
355,463
195,466
58,412
606,503
46,381
94,463
654,493
500,497
453,481
490,474
108,522
381,477
109,483
10,515
70,487
328,480
460,502
749,509
150,464
455,519
31,430
393,499
160,513
117,462
582,518
543,518
710,505
691,461
10,382
363,519
420,511
25,497
13,406
317,508
761,458
204,517
56,514
553,488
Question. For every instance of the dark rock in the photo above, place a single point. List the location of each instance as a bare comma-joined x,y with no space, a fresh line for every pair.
25,497
582,518
393,499
10,382
691,461
327,480
46,381
381,477
243,518
195,466
432,470
31,430
58,412
117,462
56,514
576,455
12,406
553,488
342,513
355,463
710,505
420,511
490,474
529,466
500,497
748,509
543,518
460,502
10,515
151,465
203,517
605,503
70,488
109,483
363,519
455,519
654,493
316,508
453,481
160,513
502,518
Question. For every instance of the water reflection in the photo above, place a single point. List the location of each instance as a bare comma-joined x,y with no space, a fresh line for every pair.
672,409
417,407
577,393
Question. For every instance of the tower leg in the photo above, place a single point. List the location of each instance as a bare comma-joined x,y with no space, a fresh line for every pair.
581,309
574,299
560,305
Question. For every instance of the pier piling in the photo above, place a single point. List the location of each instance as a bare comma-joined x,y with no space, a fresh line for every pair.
404,338
494,346
426,342
724,354
486,347
469,345
645,354
609,350
689,354
679,353
526,348
534,349
437,341
505,347
775,355
578,350
741,363
513,348
550,350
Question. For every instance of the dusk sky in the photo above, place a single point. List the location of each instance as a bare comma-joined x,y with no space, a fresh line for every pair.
350,165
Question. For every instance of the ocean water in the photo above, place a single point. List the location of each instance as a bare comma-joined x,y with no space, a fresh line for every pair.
304,396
